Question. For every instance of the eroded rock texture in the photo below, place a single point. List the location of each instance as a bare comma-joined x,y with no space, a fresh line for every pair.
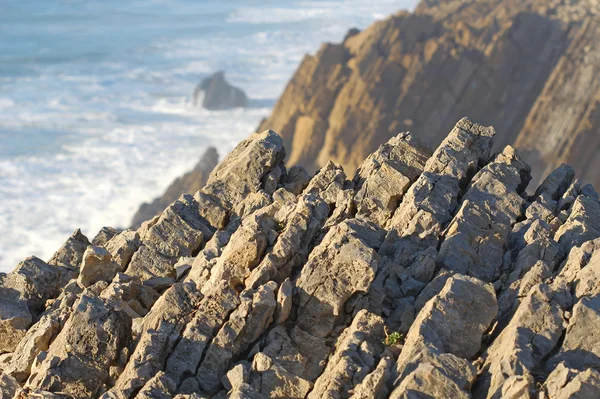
529,68
429,274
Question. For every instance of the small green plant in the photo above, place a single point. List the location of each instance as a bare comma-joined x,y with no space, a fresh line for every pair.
392,339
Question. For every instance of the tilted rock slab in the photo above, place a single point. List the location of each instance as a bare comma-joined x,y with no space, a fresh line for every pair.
428,274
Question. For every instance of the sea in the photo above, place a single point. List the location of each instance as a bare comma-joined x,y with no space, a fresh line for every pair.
95,99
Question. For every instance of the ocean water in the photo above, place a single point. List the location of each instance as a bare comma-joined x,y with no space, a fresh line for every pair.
95,99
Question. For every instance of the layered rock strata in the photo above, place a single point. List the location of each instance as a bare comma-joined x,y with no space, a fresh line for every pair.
427,274
528,67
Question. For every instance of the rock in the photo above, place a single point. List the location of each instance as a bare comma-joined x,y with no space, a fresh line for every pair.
242,171
216,94
475,240
36,282
374,384
565,383
15,319
103,236
383,286
9,387
520,348
71,252
354,358
122,247
158,387
580,349
284,302
384,177
245,326
160,329
97,265
426,207
78,360
189,183
39,336
343,265
444,336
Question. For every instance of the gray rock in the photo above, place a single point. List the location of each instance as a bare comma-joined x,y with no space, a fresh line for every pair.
580,349
36,282
71,252
15,319
384,177
216,94
354,358
77,362
122,247
343,265
104,235
565,383
475,240
445,335
242,171
519,350
97,265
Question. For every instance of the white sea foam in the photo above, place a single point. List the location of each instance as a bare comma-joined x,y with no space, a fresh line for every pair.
84,141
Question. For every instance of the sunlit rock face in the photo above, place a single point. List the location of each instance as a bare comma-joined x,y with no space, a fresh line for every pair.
426,274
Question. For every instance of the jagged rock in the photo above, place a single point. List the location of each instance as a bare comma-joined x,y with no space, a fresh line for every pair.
122,247
242,171
580,349
39,337
78,360
427,206
245,325
249,290
475,240
158,387
9,387
385,176
71,252
36,282
445,335
565,383
104,236
519,350
97,265
343,265
374,384
189,183
215,93
355,355
159,330
15,319
583,223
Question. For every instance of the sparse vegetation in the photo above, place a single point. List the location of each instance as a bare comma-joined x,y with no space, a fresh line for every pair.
392,339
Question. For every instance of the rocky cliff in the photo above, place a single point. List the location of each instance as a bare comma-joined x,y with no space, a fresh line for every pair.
429,274
528,67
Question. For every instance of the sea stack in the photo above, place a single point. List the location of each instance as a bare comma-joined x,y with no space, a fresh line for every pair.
215,93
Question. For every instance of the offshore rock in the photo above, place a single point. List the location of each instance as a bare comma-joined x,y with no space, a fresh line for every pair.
215,93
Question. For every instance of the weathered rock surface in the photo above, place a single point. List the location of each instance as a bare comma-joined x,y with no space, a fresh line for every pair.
426,275
216,93
529,68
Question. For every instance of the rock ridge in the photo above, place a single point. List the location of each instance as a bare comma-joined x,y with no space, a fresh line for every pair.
426,274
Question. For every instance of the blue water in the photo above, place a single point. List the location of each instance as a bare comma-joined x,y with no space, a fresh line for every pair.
95,112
